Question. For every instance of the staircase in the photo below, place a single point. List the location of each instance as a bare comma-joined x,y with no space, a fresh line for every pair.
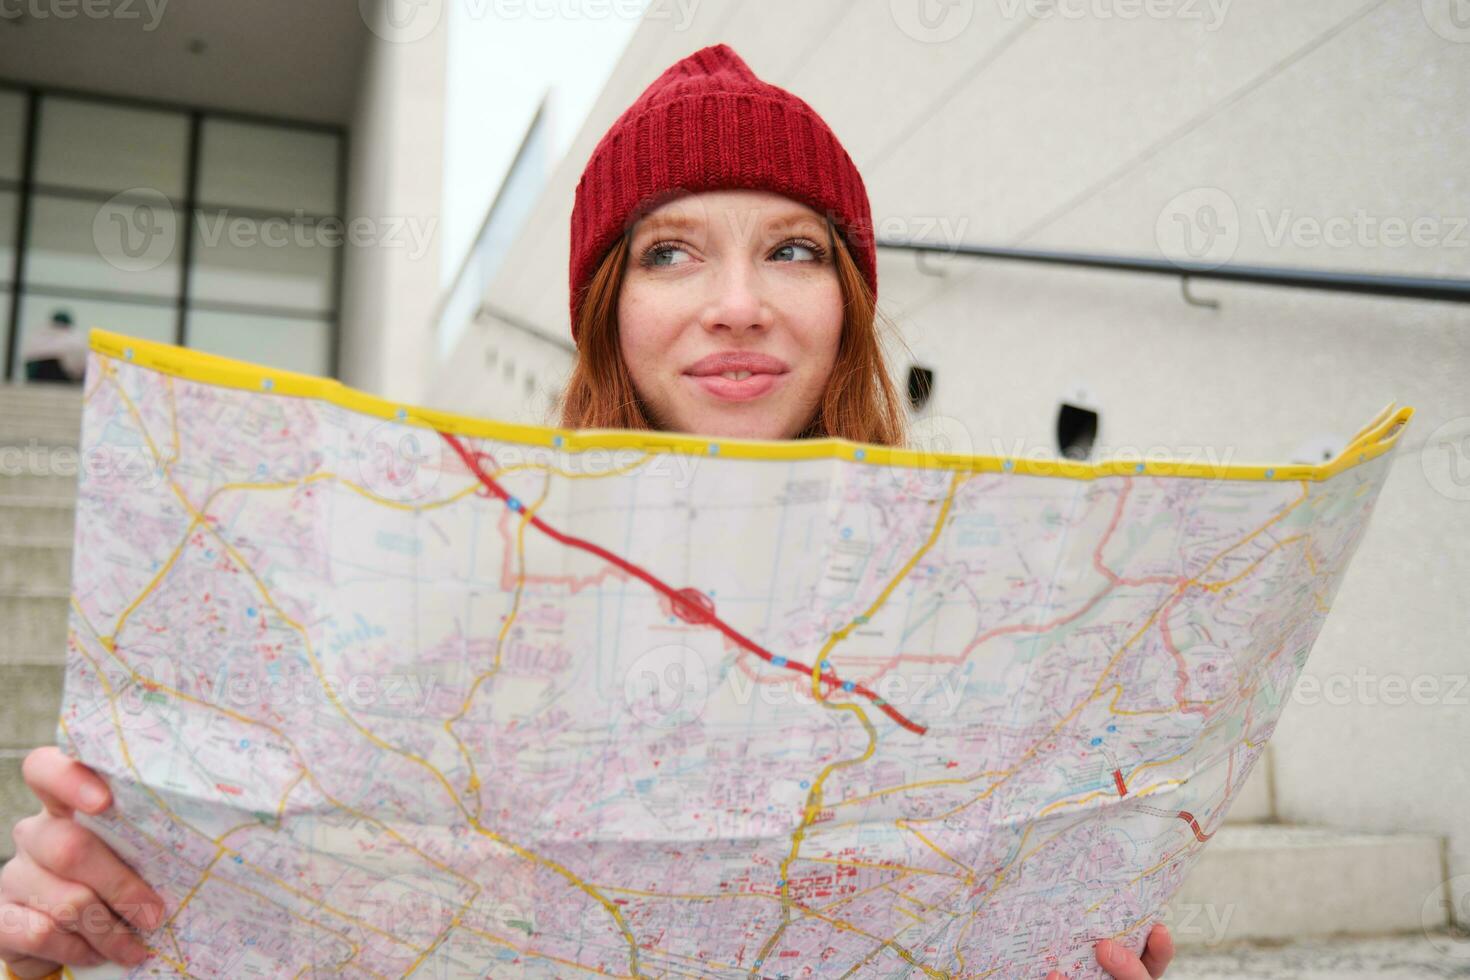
1259,880
39,428
1264,881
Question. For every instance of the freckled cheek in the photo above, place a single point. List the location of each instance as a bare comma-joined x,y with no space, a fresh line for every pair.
819,343
649,331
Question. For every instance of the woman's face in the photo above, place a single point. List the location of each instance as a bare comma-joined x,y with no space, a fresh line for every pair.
730,314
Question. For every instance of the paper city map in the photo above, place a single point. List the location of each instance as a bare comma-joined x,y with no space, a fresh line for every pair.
386,692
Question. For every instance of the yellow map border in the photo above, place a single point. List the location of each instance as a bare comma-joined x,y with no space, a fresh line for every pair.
1373,439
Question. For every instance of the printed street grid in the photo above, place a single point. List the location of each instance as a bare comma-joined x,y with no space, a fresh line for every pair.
384,701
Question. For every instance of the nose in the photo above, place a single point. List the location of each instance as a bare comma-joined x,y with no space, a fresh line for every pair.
737,299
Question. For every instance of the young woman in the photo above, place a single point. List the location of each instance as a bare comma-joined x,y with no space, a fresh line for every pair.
723,281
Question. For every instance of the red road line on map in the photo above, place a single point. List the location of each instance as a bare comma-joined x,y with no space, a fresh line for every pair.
1188,818
672,593
1122,786
1097,553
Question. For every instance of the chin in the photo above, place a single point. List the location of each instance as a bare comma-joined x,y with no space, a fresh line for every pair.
731,426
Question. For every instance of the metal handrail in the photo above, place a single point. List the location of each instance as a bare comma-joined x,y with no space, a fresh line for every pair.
1403,287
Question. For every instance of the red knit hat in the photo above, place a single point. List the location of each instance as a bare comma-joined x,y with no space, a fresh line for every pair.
708,123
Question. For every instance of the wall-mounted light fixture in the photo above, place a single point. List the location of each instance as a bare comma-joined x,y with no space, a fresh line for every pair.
921,386
1076,431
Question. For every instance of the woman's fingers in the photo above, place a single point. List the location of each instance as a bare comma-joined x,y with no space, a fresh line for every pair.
63,784
74,854
32,940
1159,951
74,908
1119,962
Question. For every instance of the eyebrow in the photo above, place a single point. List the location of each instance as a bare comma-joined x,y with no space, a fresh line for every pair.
659,224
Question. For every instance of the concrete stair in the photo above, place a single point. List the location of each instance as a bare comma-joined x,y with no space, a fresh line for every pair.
1273,883
46,414
1259,880
40,426
1421,956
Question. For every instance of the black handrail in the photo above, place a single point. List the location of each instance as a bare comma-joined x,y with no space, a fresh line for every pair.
1404,287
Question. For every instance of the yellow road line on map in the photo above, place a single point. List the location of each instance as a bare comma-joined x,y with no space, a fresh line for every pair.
883,867
1190,844
921,784
1003,775
1099,687
892,942
502,941
202,514
186,826
332,696
472,788
907,825
1376,438
814,795
1195,580
878,886
1226,583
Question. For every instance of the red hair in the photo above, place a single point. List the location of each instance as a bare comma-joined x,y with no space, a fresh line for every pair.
860,402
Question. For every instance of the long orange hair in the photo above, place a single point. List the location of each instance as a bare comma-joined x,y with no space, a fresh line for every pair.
860,402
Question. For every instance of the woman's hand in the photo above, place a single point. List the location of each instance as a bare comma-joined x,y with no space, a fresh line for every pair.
66,898
1122,964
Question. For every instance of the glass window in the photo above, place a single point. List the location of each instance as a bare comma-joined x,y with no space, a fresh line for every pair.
5,299
273,262
12,133
153,321
9,209
284,342
125,245
271,168
103,147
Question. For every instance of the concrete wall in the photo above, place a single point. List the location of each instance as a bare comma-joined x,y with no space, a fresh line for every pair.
395,168
1330,135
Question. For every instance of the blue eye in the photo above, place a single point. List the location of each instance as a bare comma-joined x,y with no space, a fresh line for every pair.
660,254
816,250
658,250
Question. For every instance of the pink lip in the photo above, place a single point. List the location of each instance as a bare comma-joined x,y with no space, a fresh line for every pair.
766,373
